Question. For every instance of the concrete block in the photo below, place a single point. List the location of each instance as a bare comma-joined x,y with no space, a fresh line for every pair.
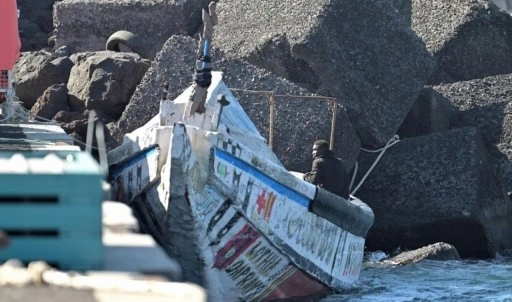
469,39
486,104
362,52
85,25
437,188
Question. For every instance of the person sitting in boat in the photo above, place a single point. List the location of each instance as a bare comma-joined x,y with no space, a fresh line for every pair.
328,171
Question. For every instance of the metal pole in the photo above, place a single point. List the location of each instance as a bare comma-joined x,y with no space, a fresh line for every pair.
271,103
333,123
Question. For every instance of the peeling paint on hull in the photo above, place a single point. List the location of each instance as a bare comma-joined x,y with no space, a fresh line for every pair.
217,199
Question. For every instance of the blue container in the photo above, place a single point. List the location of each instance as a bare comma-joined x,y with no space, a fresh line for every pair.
51,208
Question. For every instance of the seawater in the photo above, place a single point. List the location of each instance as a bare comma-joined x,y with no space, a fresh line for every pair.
430,280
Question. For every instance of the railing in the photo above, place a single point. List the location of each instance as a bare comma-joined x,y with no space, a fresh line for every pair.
6,88
272,100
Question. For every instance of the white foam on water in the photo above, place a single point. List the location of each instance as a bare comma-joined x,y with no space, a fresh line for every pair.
433,281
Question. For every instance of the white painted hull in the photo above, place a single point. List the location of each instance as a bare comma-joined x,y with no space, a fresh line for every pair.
216,198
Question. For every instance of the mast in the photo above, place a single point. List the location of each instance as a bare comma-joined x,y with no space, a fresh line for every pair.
203,76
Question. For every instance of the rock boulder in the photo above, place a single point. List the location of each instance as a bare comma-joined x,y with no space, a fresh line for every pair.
437,188
36,71
438,251
362,52
469,39
104,81
486,104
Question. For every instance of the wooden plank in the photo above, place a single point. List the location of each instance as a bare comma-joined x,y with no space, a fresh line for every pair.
70,253
65,218
69,189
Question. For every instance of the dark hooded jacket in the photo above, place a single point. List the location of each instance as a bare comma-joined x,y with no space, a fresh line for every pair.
329,172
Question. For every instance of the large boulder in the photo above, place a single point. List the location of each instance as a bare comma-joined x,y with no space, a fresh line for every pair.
486,104
104,81
362,52
53,100
36,71
437,188
469,39
85,25
298,122
75,124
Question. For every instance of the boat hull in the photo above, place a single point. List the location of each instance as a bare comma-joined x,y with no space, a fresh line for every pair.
238,222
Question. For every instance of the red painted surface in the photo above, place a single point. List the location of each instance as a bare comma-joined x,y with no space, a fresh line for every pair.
296,283
9,37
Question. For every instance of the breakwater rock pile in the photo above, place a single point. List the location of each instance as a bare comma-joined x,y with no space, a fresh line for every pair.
436,73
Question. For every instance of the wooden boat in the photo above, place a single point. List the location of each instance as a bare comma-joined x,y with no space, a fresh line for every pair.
203,181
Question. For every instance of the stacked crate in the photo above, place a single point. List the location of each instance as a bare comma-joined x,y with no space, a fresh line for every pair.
50,207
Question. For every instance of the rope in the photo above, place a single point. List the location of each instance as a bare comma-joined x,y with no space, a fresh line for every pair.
95,127
13,111
356,166
395,139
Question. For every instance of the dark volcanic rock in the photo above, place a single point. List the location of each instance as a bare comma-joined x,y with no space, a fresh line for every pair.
486,104
53,100
69,116
173,65
105,81
469,39
36,71
35,23
76,127
437,188
153,21
362,52
298,122
31,35
39,11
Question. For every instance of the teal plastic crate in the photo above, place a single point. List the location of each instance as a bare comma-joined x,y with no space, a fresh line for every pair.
51,208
